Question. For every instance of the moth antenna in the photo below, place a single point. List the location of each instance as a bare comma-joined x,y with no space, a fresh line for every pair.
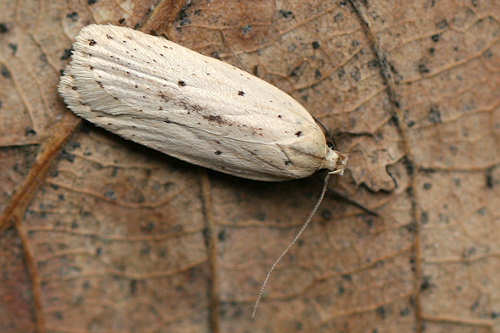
292,243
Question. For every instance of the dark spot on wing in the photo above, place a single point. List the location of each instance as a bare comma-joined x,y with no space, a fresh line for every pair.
163,96
92,42
181,83
299,133
218,119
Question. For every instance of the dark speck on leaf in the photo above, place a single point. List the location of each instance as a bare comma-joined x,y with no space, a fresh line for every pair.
434,115
222,235
341,73
326,214
381,312
73,16
442,24
133,287
373,63
246,29
66,54
426,284
29,131
3,28
295,71
286,13
65,155
13,47
5,72
490,182
422,68
110,194
356,74
147,227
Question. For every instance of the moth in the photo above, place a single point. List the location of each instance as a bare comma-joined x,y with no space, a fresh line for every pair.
192,107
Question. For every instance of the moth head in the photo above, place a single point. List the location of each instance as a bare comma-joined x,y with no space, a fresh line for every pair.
334,161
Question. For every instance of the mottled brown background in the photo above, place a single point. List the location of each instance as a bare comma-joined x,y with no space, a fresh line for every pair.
99,234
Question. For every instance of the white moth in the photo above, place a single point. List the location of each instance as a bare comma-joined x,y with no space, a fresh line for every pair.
195,108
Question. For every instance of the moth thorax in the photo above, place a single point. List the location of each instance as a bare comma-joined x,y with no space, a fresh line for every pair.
334,161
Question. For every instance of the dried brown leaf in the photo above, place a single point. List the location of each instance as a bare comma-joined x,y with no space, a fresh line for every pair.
119,238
